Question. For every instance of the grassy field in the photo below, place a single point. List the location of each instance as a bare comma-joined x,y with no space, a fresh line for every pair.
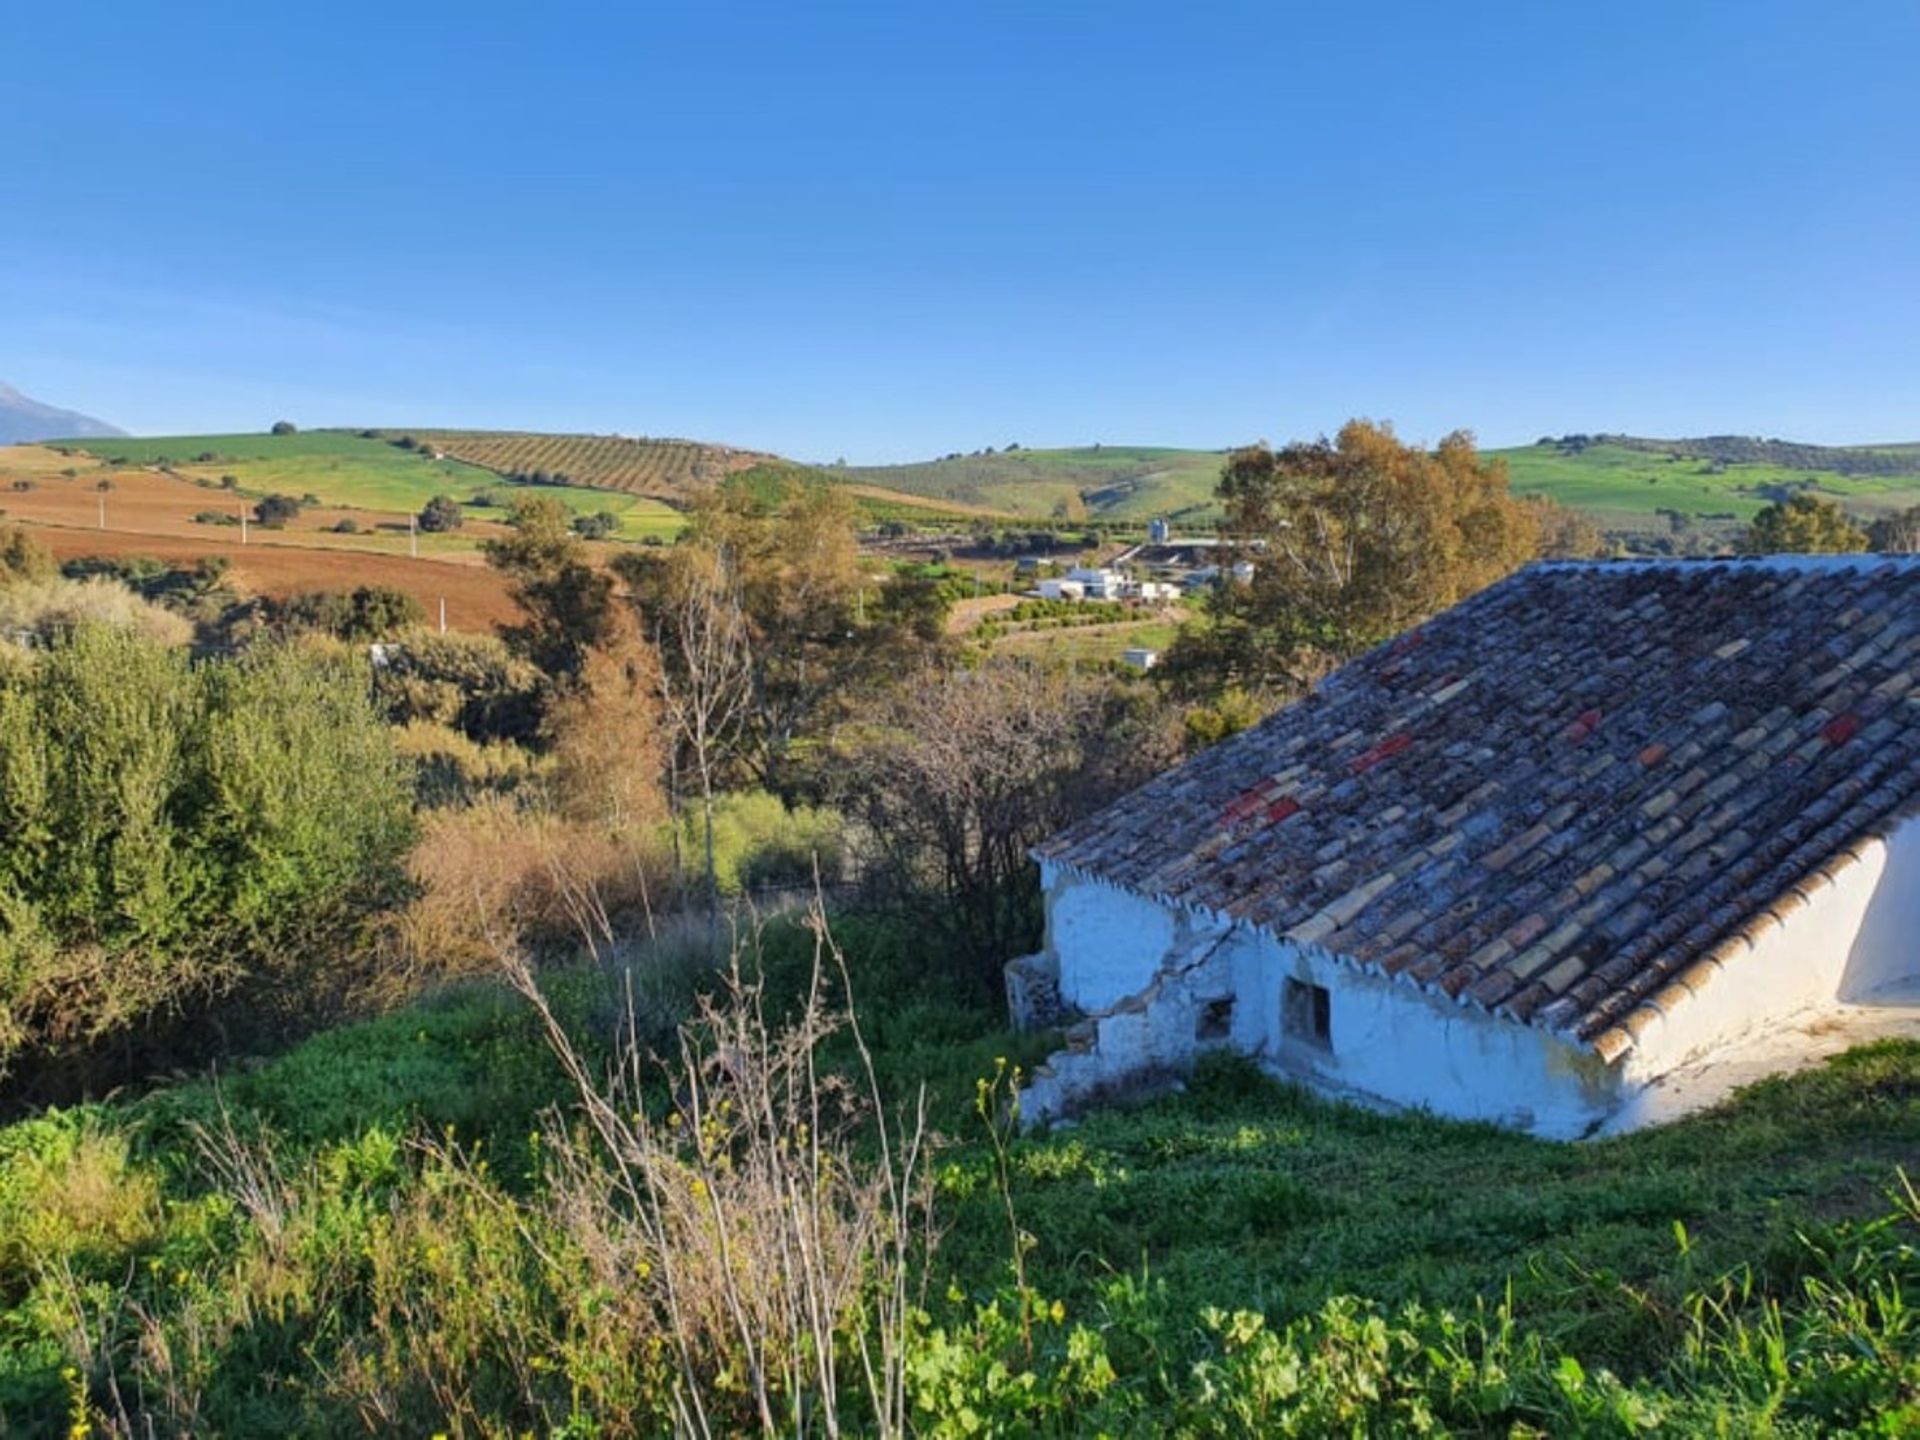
1626,488
1087,644
406,1224
1114,482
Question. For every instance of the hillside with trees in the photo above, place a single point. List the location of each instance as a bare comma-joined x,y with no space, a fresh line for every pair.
596,1026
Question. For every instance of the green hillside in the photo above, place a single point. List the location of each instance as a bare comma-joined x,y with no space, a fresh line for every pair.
342,468
1113,482
1627,483
1630,483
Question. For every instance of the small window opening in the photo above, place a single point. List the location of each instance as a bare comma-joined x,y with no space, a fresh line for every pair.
1306,1013
1216,1020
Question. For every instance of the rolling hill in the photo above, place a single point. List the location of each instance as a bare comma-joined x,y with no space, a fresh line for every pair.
1110,482
1627,483
354,469
22,418
638,465
1631,483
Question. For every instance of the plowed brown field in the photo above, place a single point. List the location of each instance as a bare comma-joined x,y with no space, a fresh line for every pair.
148,513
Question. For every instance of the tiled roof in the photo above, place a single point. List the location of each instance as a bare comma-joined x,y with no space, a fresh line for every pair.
1568,795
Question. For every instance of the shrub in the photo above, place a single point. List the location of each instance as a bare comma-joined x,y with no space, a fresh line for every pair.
758,843
276,510
597,526
367,612
496,869
471,683
215,517
442,513
174,831
22,557
48,609
284,427
452,770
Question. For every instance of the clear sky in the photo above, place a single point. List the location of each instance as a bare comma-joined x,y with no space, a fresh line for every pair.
891,230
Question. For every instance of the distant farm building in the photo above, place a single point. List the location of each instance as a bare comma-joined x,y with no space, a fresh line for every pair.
1575,855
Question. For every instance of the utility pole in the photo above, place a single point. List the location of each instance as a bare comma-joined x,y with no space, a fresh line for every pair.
443,614
413,536
243,524
103,510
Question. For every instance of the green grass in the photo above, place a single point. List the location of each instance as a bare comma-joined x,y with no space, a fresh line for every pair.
1627,488
1087,645
1240,1195
346,470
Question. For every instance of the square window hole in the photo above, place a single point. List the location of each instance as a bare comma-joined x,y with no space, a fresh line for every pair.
1306,1013
1216,1020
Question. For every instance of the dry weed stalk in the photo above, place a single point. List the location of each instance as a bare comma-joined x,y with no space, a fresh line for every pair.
771,1215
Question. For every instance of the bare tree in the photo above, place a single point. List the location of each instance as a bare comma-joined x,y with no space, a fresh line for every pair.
705,682
976,767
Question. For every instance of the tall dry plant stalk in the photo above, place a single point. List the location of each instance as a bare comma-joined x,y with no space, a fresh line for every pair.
772,1216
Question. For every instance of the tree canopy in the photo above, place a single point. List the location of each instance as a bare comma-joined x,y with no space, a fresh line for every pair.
1339,544
442,513
1803,525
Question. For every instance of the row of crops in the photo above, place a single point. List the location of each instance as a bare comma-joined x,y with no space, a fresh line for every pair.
665,469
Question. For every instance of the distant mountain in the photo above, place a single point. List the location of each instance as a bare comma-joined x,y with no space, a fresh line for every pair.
23,418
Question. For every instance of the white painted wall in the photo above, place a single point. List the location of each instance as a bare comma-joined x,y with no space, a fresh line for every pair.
1885,959
1108,942
1143,974
1855,935
1391,1041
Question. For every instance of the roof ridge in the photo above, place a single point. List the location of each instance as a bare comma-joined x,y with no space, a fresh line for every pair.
1794,563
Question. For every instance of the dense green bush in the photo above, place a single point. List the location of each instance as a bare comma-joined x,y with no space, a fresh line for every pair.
276,510
442,513
367,612
471,683
596,526
759,843
168,829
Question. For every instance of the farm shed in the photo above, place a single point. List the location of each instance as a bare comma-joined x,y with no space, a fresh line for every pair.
1572,856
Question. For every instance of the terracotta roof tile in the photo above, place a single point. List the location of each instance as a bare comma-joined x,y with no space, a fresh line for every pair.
1587,787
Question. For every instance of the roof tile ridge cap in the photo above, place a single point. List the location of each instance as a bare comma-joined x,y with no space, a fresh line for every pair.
1790,562
1682,986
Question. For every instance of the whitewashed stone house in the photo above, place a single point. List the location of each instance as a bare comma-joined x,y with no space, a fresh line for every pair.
1601,829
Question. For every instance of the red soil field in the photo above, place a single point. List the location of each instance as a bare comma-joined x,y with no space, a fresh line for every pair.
152,514
476,597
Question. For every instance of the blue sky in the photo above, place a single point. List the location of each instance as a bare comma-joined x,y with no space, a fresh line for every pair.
887,231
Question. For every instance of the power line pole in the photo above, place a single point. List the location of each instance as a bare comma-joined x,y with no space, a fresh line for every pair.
413,536
443,614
